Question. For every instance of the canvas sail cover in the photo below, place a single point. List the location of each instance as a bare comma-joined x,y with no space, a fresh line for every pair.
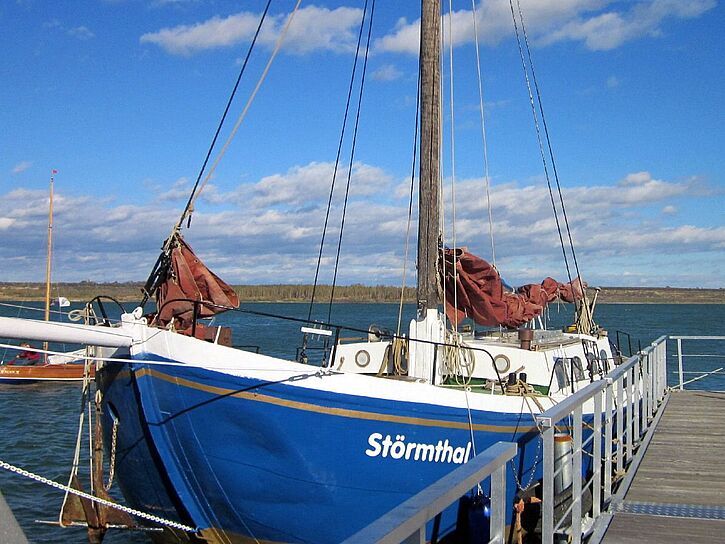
476,291
189,278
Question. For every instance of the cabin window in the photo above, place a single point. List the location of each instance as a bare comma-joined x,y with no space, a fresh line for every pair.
577,368
593,363
561,372
604,359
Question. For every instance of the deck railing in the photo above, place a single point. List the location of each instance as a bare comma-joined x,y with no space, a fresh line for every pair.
701,373
625,405
406,523
622,406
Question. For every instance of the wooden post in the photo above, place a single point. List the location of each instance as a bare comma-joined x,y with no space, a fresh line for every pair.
428,214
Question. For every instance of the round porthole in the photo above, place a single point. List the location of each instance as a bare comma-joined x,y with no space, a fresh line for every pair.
362,358
502,363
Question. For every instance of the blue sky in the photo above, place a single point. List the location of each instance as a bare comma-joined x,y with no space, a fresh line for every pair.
122,97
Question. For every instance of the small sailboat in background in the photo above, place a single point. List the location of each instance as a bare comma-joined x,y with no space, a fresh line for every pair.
30,365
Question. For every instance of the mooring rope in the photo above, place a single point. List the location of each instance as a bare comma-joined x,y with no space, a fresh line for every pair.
110,504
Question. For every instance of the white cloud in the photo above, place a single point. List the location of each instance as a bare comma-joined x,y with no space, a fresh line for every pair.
598,24
669,210
275,223
387,72
22,167
81,32
313,28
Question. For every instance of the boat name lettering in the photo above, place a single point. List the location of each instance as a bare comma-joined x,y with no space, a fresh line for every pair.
441,452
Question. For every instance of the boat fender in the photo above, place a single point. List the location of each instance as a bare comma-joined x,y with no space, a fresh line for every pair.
473,524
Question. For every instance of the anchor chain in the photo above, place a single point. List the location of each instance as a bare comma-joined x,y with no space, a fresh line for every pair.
112,461
110,504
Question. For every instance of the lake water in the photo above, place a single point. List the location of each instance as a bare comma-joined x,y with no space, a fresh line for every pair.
38,423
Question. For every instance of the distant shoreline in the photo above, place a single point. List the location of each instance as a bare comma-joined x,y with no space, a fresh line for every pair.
131,292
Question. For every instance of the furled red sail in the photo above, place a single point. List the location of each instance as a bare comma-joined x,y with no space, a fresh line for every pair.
189,278
477,291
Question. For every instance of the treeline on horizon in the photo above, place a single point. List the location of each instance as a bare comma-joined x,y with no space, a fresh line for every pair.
131,292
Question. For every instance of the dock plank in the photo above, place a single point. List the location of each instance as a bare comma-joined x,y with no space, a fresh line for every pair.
683,465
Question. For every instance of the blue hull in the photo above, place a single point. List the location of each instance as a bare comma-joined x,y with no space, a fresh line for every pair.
279,463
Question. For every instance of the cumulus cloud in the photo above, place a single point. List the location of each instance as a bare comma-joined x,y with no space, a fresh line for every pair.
387,72
313,29
80,32
598,24
275,223
22,167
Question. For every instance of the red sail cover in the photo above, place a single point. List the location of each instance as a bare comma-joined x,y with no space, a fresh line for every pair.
479,293
189,278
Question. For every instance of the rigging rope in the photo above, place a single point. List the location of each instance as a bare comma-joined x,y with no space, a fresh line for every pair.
453,156
190,203
410,204
225,147
585,306
487,178
337,160
188,209
352,156
538,138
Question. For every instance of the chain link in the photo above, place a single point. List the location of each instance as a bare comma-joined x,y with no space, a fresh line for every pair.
533,468
137,513
112,462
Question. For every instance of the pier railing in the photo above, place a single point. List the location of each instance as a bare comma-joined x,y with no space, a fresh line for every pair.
406,523
701,372
622,406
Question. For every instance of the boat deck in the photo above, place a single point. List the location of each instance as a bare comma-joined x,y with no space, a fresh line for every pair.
677,493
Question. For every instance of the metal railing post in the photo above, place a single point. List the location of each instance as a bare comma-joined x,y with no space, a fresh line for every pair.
620,424
630,420
547,508
637,397
663,355
608,408
498,504
597,451
576,513
645,394
679,363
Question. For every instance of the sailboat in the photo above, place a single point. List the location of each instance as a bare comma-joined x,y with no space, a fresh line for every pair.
60,367
241,446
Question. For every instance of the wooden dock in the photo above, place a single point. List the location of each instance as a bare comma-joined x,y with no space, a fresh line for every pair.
677,492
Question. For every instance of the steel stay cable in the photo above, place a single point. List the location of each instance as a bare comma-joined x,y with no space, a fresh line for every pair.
337,158
487,183
551,152
190,203
188,209
410,205
352,156
538,137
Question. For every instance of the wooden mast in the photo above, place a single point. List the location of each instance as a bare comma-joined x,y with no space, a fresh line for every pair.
50,250
428,213
48,260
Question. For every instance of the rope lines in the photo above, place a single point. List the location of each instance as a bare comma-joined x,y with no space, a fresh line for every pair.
160,264
535,112
487,177
352,155
337,160
410,204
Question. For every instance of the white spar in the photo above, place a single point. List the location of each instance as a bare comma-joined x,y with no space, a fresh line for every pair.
48,331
